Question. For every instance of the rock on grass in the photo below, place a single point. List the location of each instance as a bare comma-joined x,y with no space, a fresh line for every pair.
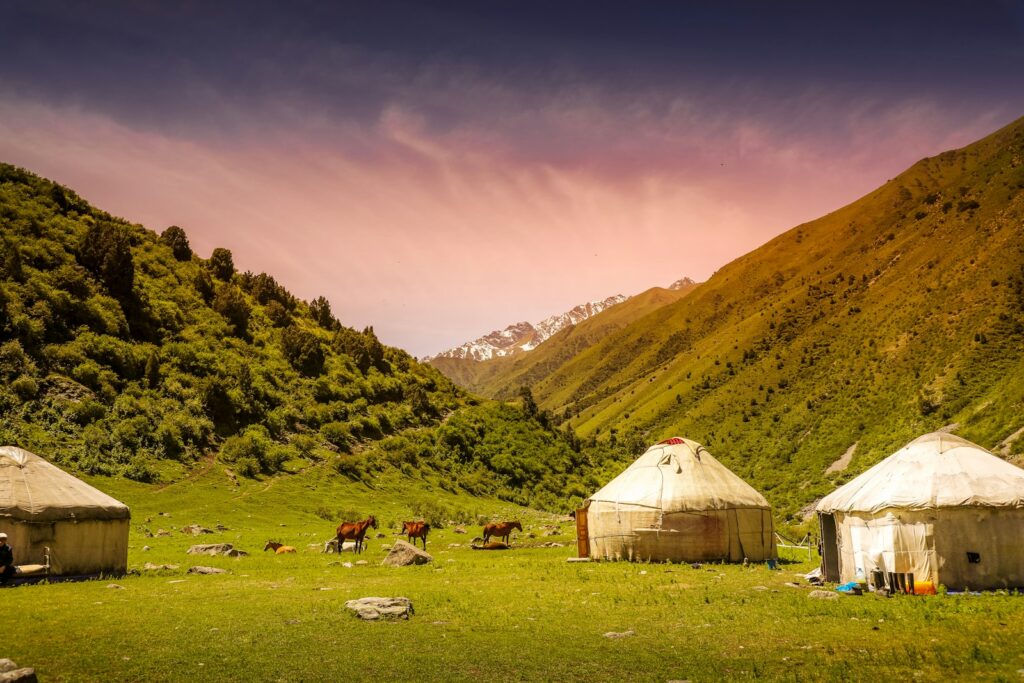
372,609
403,554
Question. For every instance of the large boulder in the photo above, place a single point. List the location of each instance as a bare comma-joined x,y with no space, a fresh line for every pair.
216,549
403,554
371,609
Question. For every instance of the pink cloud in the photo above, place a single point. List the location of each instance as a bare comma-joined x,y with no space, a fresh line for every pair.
434,237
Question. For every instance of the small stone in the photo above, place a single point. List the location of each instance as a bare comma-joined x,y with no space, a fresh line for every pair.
623,634
206,570
146,548
361,563
347,565
149,566
115,585
372,609
163,532
577,559
380,535
823,595
459,530
759,588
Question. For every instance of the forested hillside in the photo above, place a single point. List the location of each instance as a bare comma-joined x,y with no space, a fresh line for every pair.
124,353
812,357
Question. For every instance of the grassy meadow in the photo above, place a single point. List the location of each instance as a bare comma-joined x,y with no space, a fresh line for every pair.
520,615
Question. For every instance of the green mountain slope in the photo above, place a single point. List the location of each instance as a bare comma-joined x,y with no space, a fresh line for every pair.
123,353
896,315
501,377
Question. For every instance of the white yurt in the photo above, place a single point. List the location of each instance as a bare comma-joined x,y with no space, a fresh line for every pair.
941,509
676,503
48,514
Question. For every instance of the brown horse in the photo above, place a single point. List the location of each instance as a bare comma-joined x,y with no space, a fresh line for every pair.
278,548
355,531
500,530
416,530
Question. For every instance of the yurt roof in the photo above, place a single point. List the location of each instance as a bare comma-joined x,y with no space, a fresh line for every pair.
679,475
933,471
32,489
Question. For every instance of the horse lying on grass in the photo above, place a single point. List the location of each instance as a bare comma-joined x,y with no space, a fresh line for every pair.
416,530
500,530
493,545
278,548
355,531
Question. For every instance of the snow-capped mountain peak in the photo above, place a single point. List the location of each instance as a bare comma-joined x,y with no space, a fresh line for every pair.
523,336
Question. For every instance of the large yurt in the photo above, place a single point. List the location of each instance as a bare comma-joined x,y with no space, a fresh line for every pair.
51,517
676,503
941,510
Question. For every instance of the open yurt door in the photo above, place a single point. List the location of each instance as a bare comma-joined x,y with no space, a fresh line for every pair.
829,547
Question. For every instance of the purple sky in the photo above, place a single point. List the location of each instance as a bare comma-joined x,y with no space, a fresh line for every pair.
440,171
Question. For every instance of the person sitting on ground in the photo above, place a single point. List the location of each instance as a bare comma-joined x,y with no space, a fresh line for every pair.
6,560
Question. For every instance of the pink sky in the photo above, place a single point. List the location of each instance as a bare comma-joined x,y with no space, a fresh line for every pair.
435,237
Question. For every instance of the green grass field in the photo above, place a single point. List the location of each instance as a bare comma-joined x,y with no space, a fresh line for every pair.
520,615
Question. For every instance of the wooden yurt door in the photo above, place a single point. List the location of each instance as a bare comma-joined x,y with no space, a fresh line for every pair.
582,533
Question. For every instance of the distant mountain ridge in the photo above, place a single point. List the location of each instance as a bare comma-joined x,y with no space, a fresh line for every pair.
681,284
524,336
499,377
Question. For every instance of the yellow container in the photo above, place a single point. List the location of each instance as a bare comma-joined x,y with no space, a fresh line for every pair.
924,588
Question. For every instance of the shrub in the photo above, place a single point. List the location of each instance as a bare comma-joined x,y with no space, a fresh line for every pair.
231,304
302,350
337,434
251,452
25,388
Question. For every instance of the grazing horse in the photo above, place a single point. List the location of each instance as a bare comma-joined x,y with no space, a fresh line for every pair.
501,530
355,531
416,530
278,548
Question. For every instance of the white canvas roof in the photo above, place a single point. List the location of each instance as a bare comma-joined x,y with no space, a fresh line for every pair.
31,489
933,471
679,475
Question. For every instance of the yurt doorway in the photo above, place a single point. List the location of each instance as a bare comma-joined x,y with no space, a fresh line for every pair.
582,533
829,547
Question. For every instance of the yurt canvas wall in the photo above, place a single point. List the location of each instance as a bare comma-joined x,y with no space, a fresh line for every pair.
941,509
41,507
678,503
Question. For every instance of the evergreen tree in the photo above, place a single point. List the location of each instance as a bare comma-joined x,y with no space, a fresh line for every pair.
320,309
177,240
221,263
105,251
231,304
